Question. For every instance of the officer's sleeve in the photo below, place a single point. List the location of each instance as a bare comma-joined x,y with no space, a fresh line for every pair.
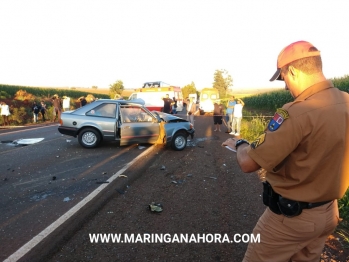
276,143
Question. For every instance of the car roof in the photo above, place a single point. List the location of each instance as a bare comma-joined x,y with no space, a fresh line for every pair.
137,101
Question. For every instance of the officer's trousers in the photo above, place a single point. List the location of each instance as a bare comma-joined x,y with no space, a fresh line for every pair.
300,238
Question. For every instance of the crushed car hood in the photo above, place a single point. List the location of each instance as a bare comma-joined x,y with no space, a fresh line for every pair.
170,118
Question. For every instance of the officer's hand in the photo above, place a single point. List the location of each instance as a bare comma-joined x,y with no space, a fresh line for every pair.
230,142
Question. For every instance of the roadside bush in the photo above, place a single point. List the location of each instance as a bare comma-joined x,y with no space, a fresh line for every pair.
19,116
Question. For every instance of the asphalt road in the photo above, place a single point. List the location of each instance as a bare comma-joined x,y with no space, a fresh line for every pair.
42,181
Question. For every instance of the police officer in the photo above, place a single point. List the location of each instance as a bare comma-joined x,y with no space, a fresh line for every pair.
303,152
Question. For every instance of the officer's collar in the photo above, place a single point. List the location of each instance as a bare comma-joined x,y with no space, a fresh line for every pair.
311,90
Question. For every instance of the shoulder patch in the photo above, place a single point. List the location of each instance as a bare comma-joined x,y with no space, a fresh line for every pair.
279,117
258,141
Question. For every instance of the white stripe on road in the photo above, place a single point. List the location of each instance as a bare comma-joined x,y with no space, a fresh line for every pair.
38,238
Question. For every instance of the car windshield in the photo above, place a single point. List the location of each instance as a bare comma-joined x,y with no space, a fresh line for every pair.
103,110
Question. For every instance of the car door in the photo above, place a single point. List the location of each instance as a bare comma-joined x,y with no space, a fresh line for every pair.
103,117
138,125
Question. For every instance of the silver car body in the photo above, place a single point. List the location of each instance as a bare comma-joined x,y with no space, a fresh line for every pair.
128,122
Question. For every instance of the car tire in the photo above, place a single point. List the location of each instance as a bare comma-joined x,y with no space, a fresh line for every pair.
179,141
89,138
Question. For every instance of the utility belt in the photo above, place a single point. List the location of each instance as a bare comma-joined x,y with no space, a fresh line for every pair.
280,205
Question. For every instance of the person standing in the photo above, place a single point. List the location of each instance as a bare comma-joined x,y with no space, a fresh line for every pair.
5,112
66,103
304,152
191,110
83,101
230,110
217,116
174,106
35,109
57,107
43,110
167,104
237,118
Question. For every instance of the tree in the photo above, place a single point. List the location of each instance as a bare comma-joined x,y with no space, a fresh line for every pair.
222,81
94,87
116,88
189,89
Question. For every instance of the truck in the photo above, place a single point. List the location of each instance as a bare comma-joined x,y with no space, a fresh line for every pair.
207,98
153,92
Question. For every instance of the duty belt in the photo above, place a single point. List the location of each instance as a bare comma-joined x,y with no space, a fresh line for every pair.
280,205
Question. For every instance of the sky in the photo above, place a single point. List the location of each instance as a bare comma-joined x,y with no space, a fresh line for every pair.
85,43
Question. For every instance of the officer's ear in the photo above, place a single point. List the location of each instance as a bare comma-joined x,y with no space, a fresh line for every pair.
293,71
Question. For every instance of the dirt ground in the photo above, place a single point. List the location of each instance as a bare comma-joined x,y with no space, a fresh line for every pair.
201,190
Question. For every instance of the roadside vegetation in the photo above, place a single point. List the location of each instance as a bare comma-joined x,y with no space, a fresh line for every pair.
20,100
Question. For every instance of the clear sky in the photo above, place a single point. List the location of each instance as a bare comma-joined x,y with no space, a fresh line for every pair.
84,43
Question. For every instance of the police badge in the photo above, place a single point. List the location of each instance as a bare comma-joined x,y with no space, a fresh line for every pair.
278,119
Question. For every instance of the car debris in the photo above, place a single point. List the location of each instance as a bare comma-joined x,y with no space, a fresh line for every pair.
122,176
162,168
66,199
155,207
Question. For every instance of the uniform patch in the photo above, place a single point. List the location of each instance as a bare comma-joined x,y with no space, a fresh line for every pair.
258,141
278,119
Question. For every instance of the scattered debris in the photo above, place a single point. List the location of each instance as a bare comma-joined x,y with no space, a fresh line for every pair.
104,173
155,207
110,212
121,192
212,177
162,168
23,142
68,141
174,182
122,176
54,178
141,147
5,179
66,199
57,156
189,175
102,182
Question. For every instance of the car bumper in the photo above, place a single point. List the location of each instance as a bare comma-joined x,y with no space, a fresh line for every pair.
70,131
191,132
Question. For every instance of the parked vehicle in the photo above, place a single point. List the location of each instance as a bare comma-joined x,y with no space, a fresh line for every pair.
207,99
153,92
125,121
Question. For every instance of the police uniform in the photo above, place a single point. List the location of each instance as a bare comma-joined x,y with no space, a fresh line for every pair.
302,151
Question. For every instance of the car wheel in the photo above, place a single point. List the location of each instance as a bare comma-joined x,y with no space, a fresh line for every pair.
179,141
89,138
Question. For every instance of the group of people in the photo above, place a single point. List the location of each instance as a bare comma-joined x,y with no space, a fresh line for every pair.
170,105
39,108
58,105
233,116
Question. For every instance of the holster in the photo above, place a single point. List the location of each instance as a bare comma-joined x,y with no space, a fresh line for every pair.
287,207
270,198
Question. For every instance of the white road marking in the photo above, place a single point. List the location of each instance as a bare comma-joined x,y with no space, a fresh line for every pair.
38,238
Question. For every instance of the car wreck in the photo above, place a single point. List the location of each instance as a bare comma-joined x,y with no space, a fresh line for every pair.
125,121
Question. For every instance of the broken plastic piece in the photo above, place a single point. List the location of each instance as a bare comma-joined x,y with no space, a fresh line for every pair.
155,207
